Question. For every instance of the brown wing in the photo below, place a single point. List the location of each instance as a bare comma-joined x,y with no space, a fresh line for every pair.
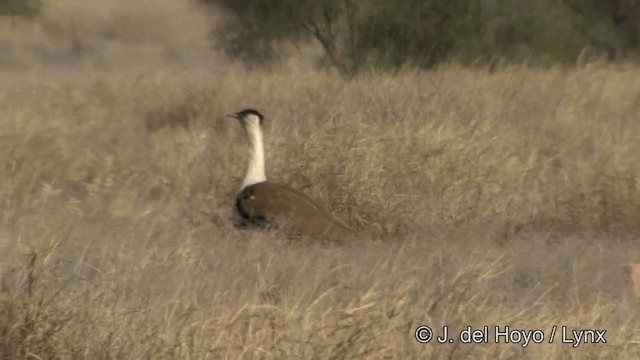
267,202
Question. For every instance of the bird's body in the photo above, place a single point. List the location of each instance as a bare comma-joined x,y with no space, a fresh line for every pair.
266,202
261,202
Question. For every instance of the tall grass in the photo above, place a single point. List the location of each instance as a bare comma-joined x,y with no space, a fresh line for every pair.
482,198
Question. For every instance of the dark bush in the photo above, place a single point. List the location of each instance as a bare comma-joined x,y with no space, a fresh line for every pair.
424,33
19,7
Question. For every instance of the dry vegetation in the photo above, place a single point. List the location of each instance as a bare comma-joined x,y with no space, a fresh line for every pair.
483,198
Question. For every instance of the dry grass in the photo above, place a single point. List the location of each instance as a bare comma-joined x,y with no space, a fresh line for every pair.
507,198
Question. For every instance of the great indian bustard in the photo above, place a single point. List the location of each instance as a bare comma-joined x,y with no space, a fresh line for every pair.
261,202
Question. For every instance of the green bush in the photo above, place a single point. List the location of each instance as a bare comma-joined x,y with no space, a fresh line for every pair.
425,33
19,7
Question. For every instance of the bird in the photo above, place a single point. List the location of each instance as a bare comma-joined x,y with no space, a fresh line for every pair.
265,204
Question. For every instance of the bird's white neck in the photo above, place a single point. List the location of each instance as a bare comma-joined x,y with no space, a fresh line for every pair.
255,171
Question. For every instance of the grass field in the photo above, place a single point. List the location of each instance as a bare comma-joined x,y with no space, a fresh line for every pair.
497,198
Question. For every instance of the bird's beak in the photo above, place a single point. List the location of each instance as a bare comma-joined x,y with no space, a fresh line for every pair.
235,116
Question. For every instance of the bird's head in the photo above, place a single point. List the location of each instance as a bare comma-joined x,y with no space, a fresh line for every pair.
248,117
